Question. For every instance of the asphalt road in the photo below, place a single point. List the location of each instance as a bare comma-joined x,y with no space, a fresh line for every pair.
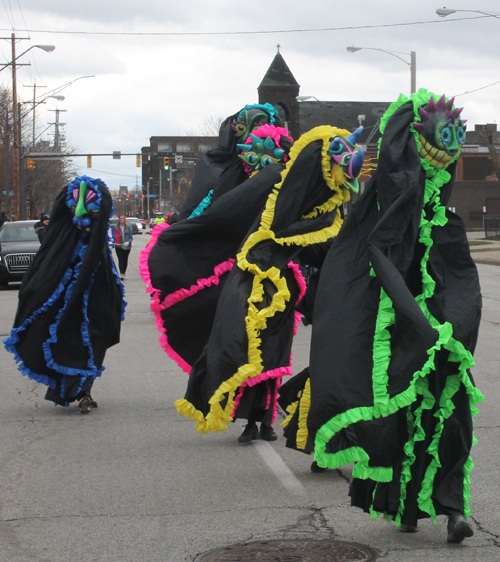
133,480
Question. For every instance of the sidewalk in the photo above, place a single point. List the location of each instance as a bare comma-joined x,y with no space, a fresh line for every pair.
488,253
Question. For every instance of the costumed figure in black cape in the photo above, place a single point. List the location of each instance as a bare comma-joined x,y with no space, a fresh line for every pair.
249,349
186,264
71,299
219,170
394,331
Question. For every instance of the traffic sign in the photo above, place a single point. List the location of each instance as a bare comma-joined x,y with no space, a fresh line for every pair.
178,159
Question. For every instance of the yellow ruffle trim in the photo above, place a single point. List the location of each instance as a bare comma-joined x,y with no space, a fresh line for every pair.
304,405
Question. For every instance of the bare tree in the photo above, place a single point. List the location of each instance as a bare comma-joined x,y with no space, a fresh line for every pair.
209,127
43,181
6,149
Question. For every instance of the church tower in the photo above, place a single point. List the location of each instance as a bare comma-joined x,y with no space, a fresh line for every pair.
280,89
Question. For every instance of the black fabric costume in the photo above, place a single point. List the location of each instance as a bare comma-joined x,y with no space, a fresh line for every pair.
249,348
70,304
190,262
395,325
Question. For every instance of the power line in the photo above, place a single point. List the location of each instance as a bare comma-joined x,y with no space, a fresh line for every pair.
477,89
210,33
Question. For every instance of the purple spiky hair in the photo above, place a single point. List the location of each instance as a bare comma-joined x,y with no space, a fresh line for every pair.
424,116
454,113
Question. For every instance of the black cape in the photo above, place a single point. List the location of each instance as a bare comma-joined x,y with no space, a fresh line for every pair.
395,325
70,305
186,264
249,348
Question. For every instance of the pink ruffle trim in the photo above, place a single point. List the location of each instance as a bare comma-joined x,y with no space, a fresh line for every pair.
157,307
182,294
144,256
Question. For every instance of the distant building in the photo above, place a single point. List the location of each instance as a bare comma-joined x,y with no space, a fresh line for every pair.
170,186
476,192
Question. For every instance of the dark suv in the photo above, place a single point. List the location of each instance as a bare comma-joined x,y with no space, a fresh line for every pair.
18,245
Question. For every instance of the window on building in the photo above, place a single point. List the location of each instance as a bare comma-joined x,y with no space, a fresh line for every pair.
164,146
477,168
205,147
184,147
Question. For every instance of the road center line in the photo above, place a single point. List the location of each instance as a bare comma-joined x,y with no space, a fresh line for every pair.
280,469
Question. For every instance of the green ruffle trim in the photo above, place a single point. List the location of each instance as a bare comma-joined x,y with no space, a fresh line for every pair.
383,405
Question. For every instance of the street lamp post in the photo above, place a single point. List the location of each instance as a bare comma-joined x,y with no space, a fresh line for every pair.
443,12
19,207
412,64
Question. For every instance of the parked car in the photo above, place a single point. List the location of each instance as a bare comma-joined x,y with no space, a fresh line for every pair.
18,246
136,225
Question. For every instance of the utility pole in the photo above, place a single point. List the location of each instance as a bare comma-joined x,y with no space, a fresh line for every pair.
57,124
15,119
160,189
34,86
171,188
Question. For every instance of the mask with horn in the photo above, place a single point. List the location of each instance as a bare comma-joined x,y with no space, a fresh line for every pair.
263,148
347,157
441,131
84,201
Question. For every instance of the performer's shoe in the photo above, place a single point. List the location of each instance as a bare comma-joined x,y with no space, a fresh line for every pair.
85,404
93,403
316,468
408,528
122,276
250,433
458,528
267,433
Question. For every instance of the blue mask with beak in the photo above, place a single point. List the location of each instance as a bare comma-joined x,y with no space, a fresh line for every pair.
345,152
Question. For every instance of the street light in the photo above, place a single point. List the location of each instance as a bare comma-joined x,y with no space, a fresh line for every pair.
412,64
19,206
304,98
36,104
443,12
46,48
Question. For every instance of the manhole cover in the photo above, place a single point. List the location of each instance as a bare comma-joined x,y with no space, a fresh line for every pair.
294,550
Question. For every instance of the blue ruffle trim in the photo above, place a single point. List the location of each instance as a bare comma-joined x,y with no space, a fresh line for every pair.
10,342
92,369
204,204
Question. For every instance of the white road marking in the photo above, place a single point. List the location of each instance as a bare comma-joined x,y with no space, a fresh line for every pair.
280,469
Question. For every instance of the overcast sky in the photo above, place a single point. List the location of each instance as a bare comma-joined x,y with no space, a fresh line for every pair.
148,84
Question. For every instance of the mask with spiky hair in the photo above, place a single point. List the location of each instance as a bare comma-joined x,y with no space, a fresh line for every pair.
441,131
347,159
257,153
249,120
84,200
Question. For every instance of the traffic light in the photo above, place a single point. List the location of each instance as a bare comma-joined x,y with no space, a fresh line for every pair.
166,163
119,199
127,196
138,161
89,161
30,164
143,196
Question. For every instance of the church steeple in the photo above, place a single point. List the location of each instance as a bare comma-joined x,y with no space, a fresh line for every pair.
280,88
